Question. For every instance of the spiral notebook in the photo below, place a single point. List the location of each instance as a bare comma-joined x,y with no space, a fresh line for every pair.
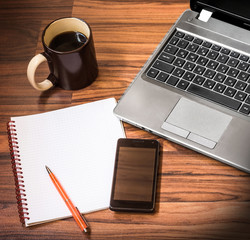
78,143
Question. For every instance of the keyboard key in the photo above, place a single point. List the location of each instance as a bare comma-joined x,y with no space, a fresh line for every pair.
189,38
172,80
166,57
234,54
219,88
188,76
225,51
240,96
245,109
179,62
174,40
189,66
219,77
230,81
212,64
230,92
206,44
170,49
233,72
233,62
244,58
248,99
182,44
212,55
192,57
192,47
222,58
182,53
179,34
199,70
213,96
209,84
216,48
182,85
178,72
198,41
209,73
162,77
202,61
248,89
202,51
152,72
240,85
163,66
243,76
222,68
199,80
243,66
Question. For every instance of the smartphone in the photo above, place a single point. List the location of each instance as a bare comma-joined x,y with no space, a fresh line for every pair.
135,175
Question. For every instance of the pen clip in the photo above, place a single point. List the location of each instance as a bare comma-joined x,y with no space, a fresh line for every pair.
85,221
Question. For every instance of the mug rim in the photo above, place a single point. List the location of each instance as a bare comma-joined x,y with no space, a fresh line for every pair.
71,51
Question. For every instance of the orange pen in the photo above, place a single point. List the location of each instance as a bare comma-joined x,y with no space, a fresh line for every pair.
80,220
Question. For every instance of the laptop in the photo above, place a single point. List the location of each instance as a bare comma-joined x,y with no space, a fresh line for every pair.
195,88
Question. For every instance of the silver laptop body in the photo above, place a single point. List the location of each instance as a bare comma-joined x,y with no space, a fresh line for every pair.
164,101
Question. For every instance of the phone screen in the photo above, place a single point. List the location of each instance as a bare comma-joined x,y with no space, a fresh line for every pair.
135,175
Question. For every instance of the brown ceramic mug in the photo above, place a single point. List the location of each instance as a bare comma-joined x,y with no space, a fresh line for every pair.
69,50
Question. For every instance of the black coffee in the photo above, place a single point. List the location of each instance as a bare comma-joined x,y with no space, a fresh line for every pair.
68,41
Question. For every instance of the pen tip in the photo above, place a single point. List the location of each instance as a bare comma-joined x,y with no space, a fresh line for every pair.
48,170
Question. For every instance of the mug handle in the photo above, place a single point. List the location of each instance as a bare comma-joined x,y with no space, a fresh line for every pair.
32,66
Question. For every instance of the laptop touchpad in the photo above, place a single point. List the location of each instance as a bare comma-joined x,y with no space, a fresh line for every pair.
197,122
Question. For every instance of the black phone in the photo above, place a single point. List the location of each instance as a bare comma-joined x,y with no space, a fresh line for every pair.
135,175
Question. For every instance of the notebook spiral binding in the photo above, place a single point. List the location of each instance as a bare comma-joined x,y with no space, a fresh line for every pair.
17,170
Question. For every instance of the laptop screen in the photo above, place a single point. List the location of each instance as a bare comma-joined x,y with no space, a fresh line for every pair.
233,11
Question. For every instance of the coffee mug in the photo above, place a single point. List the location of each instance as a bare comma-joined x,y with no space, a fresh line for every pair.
69,50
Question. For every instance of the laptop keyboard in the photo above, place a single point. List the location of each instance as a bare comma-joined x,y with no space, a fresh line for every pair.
204,69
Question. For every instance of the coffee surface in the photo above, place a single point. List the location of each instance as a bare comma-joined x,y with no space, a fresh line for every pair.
68,41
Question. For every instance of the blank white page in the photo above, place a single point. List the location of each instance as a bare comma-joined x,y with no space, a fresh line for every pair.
78,144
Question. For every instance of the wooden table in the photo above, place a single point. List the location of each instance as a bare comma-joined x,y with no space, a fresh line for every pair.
197,197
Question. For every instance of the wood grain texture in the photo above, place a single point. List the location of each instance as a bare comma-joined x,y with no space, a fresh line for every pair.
197,197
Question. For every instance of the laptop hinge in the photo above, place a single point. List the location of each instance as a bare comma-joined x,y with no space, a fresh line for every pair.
205,15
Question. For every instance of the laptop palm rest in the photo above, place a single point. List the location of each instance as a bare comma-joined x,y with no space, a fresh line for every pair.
197,122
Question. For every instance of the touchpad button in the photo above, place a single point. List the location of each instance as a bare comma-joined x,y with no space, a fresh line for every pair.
202,123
